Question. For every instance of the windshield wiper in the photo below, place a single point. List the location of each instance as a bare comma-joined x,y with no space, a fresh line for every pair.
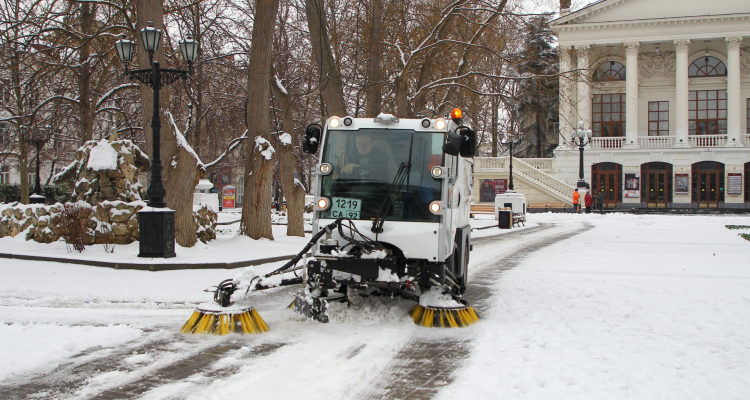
393,191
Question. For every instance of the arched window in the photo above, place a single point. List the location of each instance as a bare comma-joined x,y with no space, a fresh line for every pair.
610,71
707,66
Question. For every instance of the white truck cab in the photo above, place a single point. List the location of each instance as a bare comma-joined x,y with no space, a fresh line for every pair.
402,189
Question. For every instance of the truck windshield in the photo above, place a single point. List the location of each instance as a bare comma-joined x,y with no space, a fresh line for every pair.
366,161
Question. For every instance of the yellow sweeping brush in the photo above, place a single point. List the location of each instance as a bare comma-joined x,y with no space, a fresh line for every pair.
208,318
444,317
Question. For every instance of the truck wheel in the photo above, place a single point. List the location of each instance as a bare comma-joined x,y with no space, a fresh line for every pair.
463,279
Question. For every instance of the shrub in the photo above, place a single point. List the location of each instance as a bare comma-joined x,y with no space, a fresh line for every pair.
10,192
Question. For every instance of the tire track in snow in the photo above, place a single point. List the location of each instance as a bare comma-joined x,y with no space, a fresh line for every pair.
425,365
198,366
64,380
73,379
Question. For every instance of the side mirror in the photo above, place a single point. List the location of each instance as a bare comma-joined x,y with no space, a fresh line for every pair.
312,139
468,142
452,144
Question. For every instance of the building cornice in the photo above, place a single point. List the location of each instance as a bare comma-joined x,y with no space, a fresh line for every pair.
586,26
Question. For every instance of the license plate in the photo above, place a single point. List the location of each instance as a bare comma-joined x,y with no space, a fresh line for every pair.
345,208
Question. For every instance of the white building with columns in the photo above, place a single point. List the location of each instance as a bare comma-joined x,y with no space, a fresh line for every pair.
665,87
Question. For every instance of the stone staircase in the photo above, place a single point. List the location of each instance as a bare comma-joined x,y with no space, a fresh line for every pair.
531,170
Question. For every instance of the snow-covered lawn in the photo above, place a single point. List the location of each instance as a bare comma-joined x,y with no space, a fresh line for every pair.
645,307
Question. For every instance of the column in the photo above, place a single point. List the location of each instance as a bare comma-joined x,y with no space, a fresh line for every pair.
681,93
734,100
631,94
584,87
567,93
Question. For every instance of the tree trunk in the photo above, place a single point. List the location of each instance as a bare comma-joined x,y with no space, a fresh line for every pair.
402,100
292,188
328,72
374,88
86,111
180,167
256,207
494,126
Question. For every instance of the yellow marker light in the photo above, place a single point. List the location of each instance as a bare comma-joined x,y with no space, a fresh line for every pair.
334,122
440,124
456,113
435,207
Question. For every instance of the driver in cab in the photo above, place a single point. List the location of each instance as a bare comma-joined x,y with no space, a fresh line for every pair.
368,162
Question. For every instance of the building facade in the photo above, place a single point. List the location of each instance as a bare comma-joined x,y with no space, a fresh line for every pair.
665,87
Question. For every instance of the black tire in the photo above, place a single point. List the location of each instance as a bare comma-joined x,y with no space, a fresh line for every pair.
464,278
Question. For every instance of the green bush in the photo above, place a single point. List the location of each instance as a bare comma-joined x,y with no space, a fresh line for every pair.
54,193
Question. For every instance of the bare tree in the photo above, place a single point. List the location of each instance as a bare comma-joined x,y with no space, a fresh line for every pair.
329,75
294,191
256,217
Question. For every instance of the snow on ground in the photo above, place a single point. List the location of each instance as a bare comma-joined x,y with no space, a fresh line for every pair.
25,347
645,307
639,306
228,247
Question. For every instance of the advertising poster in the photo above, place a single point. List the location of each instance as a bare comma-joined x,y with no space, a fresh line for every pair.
734,183
632,185
681,183
228,196
491,187
501,186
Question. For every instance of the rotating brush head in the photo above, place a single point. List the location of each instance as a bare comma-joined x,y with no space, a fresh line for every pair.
246,321
444,317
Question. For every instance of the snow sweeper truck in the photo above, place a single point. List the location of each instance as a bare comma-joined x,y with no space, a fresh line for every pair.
391,217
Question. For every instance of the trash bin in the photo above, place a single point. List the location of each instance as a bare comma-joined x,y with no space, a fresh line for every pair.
505,219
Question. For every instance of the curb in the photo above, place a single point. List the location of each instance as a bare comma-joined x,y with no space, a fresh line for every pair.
150,267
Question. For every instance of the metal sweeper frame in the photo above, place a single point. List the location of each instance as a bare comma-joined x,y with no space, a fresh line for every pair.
407,183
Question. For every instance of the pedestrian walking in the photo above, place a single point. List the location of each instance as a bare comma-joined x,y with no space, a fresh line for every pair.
600,201
576,202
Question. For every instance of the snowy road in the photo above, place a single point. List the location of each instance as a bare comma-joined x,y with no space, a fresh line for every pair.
575,307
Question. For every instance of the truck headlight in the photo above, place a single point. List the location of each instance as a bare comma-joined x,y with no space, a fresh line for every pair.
437,208
440,124
334,122
325,168
323,203
438,172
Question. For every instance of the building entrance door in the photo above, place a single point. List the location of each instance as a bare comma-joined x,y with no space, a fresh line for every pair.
708,184
607,177
656,187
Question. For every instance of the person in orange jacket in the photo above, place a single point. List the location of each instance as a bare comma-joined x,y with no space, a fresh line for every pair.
587,201
576,203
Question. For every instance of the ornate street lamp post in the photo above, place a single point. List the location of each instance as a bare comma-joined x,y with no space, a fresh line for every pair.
38,138
156,222
508,139
581,138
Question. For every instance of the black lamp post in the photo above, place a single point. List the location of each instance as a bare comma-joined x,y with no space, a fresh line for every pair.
510,139
581,138
156,223
39,138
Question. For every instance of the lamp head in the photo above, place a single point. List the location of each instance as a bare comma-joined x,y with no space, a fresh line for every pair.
589,133
124,49
580,124
189,49
150,37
